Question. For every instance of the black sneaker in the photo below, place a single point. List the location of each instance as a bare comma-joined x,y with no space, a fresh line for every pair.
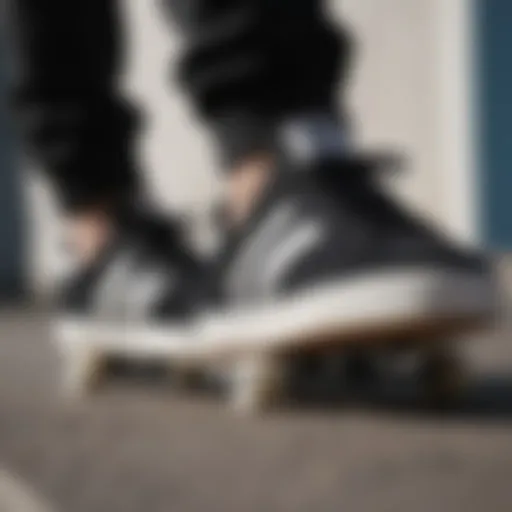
136,300
327,257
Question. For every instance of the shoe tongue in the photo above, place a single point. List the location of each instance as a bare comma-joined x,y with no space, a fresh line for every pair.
320,140
313,138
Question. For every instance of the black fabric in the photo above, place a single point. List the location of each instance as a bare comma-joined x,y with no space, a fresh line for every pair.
65,68
249,63
245,64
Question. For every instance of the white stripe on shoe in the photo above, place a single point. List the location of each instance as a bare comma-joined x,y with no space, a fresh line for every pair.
295,247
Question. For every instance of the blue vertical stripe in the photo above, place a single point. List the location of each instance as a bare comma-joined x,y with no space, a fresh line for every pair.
12,261
494,40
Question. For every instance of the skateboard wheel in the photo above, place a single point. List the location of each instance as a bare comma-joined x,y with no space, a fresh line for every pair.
360,370
317,376
186,378
82,372
256,384
442,379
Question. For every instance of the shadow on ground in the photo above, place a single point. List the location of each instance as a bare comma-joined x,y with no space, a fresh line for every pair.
487,398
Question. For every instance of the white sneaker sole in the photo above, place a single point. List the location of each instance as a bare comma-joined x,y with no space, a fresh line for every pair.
373,308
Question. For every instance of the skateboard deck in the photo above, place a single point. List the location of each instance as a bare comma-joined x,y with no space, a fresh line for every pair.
256,373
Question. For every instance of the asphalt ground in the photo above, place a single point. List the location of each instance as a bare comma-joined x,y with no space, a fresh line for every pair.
140,446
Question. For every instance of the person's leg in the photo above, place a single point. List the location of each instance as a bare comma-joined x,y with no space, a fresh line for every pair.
249,64
66,62
132,265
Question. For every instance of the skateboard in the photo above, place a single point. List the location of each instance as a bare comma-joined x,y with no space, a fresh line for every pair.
256,376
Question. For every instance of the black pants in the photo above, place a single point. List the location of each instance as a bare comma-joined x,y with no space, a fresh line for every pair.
245,64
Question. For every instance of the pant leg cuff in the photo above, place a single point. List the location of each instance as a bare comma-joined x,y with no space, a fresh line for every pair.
240,135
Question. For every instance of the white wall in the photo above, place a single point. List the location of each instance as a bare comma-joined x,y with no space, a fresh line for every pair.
411,68
412,91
